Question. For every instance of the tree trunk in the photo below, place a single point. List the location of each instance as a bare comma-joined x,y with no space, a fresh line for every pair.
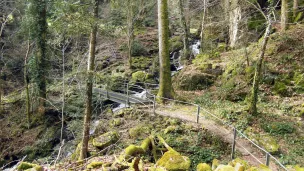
26,82
258,73
165,87
284,15
234,19
202,36
185,27
41,33
130,31
295,8
89,87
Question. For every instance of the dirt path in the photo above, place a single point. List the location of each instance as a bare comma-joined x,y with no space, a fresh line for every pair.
249,152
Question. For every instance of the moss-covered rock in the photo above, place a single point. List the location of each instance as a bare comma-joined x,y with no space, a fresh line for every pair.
203,167
106,139
215,164
116,122
191,78
94,165
173,161
138,76
224,168
29,166
139,130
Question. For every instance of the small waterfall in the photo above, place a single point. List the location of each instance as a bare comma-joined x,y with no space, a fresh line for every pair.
196,47
175,57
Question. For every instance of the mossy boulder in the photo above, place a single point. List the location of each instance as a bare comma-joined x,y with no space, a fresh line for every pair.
139,131
239,163
138,76
224,168
203,167
116,122
94,165
269,143
106,139
295,168
191,78
29,166
264,140
173,161
215,163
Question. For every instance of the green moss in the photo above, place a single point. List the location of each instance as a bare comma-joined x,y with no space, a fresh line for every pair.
116,122
132,151
139,76
139,130
173,128
94,165
173,161
146,144
29,166
105,139
215,163
225,168
203,167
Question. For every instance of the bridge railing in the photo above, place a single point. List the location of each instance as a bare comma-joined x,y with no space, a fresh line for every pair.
199,113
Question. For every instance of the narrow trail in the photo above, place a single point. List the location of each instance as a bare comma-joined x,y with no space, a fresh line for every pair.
249,153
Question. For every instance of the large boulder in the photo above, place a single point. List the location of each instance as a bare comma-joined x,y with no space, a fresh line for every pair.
173,161
191,78
203,167
106,139
29,166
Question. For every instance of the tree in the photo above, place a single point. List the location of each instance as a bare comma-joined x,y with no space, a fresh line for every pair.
202,36
165,84
89,85
284,15
258,70
39,34
185,26
235,16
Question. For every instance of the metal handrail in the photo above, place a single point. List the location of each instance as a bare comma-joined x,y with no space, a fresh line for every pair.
235,132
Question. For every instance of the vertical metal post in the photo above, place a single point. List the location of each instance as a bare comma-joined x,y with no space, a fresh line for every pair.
197,114
154,105
267,159
233,143
127,102
107,94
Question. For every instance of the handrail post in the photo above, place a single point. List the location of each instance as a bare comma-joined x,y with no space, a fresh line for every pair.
267,159
154,105
198,113
233,143
127,102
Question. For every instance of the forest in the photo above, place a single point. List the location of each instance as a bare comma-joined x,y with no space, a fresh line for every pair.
152,85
